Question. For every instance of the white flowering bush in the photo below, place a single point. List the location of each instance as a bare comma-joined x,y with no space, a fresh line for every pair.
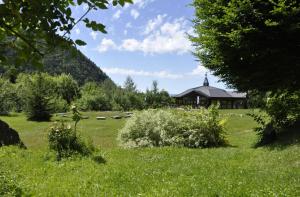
195,129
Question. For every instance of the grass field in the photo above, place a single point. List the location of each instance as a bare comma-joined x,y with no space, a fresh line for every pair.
237,170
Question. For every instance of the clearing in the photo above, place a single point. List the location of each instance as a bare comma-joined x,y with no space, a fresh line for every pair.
238,170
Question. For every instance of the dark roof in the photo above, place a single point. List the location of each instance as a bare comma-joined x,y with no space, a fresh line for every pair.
212,92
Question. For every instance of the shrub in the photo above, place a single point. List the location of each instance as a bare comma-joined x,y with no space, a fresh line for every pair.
194,129
283,110
65,141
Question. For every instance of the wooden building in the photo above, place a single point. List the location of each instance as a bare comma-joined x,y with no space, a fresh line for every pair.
204,96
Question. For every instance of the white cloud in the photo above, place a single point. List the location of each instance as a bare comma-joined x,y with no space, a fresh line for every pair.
132,72
168,37
130,45
134,13
142,3
159,37
199,70
105,45
117,14
154,23
94,35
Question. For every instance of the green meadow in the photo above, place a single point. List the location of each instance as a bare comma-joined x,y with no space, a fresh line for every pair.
236,170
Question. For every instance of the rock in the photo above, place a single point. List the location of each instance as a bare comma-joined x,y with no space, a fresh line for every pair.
85,117
128,116
9,136
128,113
116,117
101,118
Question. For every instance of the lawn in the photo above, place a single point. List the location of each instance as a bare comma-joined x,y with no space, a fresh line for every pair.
237,170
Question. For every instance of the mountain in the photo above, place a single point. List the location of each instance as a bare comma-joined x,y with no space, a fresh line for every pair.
70,61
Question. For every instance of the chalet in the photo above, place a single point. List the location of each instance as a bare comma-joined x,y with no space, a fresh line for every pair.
204,96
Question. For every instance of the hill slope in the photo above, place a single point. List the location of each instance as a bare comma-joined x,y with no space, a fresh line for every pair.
71,62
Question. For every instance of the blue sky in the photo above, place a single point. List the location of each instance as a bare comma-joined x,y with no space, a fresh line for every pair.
146,40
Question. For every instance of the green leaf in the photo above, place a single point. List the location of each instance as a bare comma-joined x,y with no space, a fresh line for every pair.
122,2
101,5
68,12
80,42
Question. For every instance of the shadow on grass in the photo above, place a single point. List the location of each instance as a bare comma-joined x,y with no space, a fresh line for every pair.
287,137
99,159
226,145
8,115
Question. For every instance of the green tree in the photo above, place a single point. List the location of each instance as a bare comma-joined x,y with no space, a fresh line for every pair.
38,93
66,87
156,98
155,89
121,100
250,45
93,98
129,85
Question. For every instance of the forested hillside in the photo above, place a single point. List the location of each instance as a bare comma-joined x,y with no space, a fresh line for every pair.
61,60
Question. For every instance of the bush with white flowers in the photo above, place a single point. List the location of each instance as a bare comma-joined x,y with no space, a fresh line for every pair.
155,128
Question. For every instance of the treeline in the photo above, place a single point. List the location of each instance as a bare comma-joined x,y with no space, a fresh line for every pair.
39,95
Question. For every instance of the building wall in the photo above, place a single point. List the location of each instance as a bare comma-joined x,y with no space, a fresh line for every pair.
196,101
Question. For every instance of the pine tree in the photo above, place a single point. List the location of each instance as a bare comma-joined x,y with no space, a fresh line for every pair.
38,106
129,85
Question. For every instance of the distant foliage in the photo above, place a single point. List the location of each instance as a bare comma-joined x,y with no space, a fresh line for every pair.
127,100
66,87
40,92
155,98
193,129
129,85
93,98
33,91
